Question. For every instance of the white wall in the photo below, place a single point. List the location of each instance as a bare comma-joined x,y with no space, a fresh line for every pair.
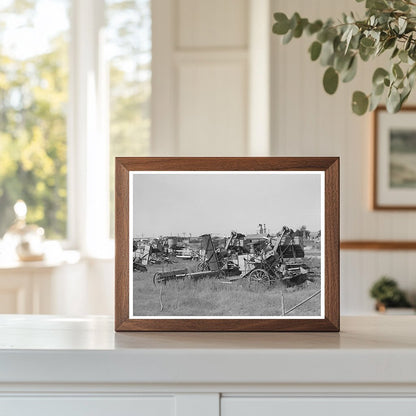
308,122
200,77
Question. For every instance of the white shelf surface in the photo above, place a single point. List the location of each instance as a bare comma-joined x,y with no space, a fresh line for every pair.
53,349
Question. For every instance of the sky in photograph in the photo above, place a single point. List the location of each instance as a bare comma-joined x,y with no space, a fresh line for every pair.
211,203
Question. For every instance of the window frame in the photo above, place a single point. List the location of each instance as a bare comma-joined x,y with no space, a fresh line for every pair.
88,133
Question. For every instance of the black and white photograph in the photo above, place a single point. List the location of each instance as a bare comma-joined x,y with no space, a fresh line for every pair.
226,244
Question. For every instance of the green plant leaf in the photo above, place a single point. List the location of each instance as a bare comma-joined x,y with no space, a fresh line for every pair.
351,71
403,56
402,22
359,103
389,43
298,30
408,42
374,102
327,53
281,27
379,75
314,27
395,52
365,51
330,80
367,42
376,4
315,50
322,36
393,101
397,71
404,96
288,37
341,61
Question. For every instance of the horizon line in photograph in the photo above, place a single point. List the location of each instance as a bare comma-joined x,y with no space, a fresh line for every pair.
184,204
268,233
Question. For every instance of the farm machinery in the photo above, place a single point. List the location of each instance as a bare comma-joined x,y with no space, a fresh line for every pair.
279,260
148,255
212,263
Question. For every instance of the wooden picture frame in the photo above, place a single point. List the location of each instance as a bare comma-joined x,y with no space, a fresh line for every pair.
130,205
391,190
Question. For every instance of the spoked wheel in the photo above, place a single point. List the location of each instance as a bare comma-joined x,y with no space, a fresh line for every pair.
202,266
158,279
259,279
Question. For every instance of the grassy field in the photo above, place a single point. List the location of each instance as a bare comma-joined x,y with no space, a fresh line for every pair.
216,297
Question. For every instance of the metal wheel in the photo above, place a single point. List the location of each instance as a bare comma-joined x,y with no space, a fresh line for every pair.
202,266
158,279
259,279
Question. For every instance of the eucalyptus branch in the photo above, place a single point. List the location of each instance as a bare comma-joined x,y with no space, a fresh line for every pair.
388,25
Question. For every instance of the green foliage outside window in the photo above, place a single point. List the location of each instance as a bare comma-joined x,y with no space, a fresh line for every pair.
33,99
34,104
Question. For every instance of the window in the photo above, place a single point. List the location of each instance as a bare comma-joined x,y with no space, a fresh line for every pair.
33,99
75,87
129,46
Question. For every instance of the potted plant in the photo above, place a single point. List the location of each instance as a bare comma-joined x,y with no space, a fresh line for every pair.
389,27
387,294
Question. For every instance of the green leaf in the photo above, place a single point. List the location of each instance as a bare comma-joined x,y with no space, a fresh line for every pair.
389,43
351,71
294,20
376,4
374,102
395,52
367,42
322,36
298,30
281,27
327,53
397,71
379,75
412,52
403,96
408,42
378,89
315,50
403,56
359,103
314,27
366,53
288,37
402,24
400,5
393,101
330,80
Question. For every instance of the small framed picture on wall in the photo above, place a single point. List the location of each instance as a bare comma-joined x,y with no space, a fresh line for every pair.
394,178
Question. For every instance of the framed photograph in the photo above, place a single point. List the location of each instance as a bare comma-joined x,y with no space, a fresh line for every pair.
394,159
227,244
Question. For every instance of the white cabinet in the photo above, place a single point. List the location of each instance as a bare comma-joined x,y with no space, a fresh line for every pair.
79,366
87,406
271,406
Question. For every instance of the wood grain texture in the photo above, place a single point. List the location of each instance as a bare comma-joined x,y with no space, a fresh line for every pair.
121,244
378,245
376,204
330,165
